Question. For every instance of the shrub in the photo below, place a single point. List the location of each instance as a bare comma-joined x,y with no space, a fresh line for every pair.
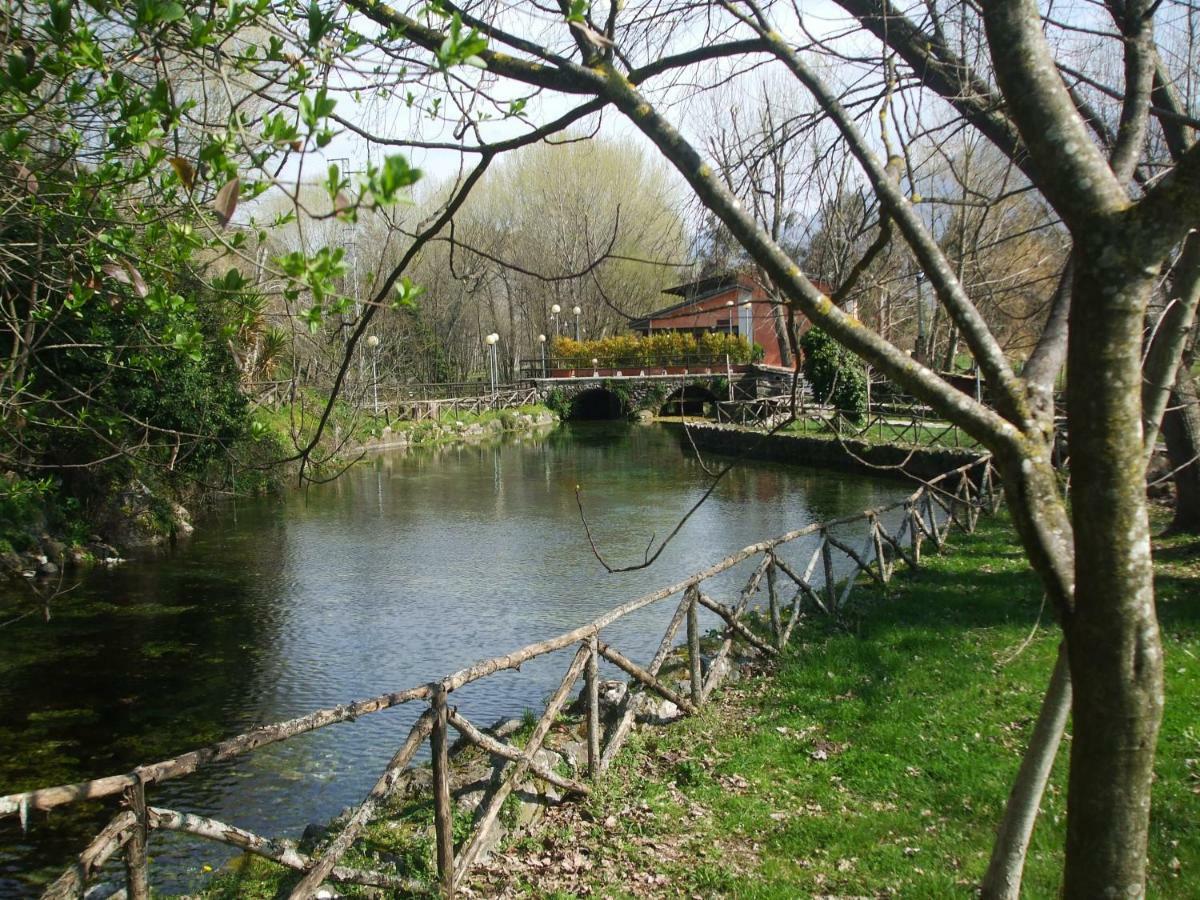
836,375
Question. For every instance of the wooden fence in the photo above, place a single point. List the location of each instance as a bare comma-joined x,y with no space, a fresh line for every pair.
905,424
953,500
434,409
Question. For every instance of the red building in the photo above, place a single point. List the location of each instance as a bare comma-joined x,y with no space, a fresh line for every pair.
728,304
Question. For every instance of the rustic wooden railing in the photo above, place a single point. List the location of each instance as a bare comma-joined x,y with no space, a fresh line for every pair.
954,499
905,425
437,408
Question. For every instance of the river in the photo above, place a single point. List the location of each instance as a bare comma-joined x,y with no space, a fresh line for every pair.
409,566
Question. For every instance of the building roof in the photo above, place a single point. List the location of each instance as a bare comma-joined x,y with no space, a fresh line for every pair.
694,293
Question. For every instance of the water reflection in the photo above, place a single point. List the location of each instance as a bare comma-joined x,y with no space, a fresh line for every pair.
408,567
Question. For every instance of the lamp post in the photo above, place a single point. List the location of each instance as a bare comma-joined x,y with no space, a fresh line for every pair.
577,311
554,311
373,346
493,370
542,341
729,305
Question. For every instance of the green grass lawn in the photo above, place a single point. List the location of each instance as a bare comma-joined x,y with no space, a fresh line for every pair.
881,431
877,759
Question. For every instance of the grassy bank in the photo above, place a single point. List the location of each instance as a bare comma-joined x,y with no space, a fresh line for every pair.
349,428
882,430
874,763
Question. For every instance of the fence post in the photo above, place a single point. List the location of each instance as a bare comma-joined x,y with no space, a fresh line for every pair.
443,816
592,675
827,567
885,573
914,533
137,875
776,624
693,639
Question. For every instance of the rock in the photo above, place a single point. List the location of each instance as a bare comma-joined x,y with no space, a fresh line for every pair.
104,890
55,550
574,753
643,416
312,836
180,520
11,562
47,569
612,692
653,710
504,728
78,555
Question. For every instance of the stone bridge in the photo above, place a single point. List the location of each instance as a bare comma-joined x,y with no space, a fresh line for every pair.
613,395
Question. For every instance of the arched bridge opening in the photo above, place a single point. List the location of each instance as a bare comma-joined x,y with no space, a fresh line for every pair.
690,400
597,404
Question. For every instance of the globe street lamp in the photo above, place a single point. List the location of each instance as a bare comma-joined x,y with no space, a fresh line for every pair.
373,346
542,341
554,311
493,369
577,311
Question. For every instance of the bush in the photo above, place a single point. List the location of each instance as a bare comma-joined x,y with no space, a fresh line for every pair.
663,348
836,375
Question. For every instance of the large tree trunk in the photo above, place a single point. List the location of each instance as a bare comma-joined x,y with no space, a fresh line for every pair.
1181,431
1112,632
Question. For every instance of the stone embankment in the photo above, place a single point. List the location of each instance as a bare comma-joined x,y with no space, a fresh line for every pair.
507,421
855,456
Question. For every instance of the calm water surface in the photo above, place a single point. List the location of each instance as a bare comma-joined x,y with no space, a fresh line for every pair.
408,567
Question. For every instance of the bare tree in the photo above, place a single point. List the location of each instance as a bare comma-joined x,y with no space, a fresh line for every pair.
999,71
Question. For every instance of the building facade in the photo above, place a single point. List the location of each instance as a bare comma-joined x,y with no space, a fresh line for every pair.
726,304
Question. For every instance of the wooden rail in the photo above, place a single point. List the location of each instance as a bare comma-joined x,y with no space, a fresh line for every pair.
906,425
953,500
435,409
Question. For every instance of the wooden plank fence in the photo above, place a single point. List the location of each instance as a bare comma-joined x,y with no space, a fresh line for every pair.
956,499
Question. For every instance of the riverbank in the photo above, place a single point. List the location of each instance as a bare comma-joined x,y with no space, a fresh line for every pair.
855,456
872,763
146,511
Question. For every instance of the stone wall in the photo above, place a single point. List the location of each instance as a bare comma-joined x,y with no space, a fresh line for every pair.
872,459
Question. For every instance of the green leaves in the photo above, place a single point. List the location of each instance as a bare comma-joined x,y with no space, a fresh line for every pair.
385,183
406,293
151,13
578,10
459,48
320,24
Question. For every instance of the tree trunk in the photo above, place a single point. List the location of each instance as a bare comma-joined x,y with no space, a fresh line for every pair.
1181,431
1112,632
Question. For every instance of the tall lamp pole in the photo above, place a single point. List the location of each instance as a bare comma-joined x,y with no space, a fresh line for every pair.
554,311
577,311
492,367
542,341
373,346
729,305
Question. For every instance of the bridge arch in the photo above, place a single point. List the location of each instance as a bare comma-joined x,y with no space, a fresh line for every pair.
688,400
598,403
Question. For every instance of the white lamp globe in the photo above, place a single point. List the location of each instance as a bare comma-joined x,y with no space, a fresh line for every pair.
373,341
491,339
556,309
577,310
542,338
